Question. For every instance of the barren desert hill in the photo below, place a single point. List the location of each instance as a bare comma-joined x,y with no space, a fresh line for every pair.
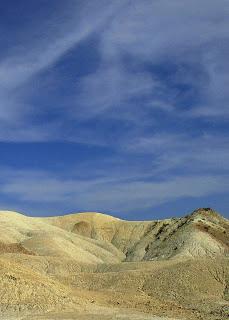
99,238
88,262
204,231
41,238
95,237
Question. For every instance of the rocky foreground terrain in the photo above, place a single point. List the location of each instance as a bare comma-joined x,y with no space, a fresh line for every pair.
94,266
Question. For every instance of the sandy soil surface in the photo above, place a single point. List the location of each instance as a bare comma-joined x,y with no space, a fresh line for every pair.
93,266
101,314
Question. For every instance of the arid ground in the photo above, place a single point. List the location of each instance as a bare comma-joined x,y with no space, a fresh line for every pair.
94,266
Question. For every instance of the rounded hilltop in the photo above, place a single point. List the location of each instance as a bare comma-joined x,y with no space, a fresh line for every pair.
207,213
103,217
91,215
10,213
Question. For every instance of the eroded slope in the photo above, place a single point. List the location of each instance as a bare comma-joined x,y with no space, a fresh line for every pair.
203,233
175,267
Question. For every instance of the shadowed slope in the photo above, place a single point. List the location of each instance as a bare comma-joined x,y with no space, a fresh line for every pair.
202,233
20,233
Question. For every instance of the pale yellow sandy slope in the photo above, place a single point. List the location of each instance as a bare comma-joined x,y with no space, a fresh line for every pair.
94,266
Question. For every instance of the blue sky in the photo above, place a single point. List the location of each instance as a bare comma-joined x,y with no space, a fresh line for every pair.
115,106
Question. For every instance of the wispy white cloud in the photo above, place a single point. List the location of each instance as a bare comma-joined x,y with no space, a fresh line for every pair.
112,88
152,34
107,194
174,167
154,57
141,195
140,33
150,29
216,95
28,59
22,64
182,152
192,34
